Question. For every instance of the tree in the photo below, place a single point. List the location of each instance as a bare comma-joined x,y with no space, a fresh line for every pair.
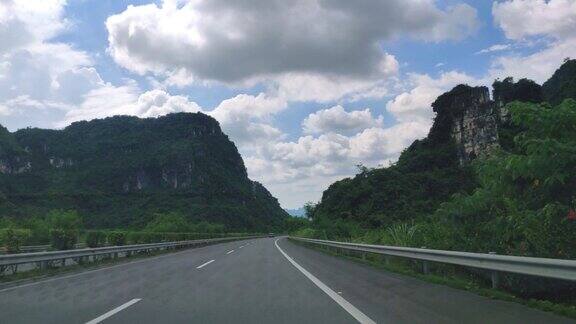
293,224
64,219
525,198
64,226
309,209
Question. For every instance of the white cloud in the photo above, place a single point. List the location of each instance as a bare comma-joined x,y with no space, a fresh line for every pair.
24,22
287,43
337,120
128,99
520,18
246,118
302,86
495,48
40,79
105,101
538,66
553,20
302,169
414,105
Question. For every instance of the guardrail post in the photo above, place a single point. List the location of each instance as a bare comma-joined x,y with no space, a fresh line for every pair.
494,276
386,260
425,266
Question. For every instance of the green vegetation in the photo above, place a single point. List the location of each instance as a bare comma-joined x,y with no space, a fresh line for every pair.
520,199
120,172
14,238
116,238
177,223
95,239
63,229
562,84
65,226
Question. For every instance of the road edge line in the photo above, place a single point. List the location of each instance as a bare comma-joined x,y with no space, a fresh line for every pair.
347,306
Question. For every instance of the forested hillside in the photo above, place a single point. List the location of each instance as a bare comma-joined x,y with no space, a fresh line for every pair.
121,171
492,175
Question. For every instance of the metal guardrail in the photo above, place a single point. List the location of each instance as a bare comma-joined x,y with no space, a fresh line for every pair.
44,260
541,267
38,248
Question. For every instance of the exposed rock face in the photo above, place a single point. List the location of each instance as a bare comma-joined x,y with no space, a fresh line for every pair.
16,167
468,117
475,129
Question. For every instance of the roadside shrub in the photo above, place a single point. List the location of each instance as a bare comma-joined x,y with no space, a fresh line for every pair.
147,237
306,233
135,237
64,219
157,237
95,239
63,239
117,238
14,238
39,231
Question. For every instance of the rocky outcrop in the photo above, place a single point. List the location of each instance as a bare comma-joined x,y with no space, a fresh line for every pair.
471,120
475,129
16,167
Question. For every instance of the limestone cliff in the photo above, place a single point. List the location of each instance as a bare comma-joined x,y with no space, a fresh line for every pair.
471,119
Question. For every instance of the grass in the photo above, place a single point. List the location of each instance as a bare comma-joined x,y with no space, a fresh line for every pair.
458,280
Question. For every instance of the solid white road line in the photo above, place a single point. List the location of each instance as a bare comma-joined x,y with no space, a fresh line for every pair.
205,264
231,251
241,247
355,312
114,311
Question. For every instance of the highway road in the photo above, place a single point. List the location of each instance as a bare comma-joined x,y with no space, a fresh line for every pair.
267,280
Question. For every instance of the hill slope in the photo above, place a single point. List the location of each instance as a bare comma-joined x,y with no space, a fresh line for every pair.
431,170
119,171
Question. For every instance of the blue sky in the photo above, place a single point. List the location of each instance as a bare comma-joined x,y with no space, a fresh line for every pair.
306,89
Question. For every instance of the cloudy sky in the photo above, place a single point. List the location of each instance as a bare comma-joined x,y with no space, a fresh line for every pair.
307,89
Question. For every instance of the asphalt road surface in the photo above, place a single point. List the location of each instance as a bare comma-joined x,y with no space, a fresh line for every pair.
267,280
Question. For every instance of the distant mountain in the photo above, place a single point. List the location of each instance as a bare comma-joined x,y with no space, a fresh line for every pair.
119,171
298,212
